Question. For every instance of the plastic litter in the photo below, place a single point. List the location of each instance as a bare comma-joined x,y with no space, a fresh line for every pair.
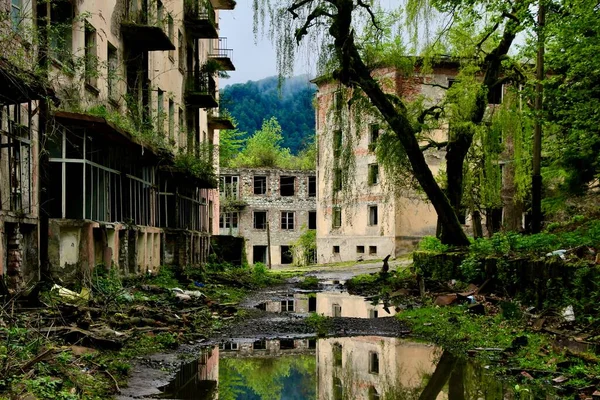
568,314
69,294
560,253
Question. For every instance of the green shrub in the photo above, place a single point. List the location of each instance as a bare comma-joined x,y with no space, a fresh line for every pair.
433,244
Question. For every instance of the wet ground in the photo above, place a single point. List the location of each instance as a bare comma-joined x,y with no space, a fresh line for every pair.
274,353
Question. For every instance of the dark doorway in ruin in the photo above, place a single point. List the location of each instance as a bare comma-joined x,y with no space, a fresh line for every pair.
259,254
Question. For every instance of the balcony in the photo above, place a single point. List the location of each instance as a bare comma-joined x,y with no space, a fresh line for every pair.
223,4
200,19
145,35
219,52
215,121
201,91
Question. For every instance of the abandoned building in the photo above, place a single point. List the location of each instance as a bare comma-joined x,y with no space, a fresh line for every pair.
363,217
128,170
270,208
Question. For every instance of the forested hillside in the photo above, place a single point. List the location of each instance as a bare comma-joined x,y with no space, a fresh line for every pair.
253,102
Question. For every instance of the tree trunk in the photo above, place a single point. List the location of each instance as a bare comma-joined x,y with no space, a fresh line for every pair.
440,377
477,227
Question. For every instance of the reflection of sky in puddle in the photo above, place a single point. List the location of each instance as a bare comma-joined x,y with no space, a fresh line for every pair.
361,368
330,304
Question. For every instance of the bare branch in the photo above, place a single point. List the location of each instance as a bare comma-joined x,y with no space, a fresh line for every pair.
297,6
486,37
368,8
314,15
433,144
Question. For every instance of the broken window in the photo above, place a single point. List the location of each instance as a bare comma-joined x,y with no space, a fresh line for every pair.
337,179
287,220
372,250
373,178
287,185
360,249
60,37
171,120
312,186
260,185
180,52
373,313
373,136
336,249
312,220
337,144
287,305
228,220
260,220
91,58
373,362
259,345
337,217
229,187
112,72
259,254
287,257
496,94
15,14
373,217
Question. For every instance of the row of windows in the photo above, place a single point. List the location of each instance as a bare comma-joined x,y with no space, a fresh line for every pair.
359,250
230,186
259,220
372,176
373,215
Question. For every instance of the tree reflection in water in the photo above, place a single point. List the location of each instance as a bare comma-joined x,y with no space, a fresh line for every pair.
352,368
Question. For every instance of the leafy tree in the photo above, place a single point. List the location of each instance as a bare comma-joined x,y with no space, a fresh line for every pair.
230,144
489,29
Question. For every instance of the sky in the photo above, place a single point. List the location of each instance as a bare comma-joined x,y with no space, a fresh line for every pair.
255,58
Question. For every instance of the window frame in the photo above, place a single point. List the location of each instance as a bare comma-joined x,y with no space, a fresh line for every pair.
285,220
373,215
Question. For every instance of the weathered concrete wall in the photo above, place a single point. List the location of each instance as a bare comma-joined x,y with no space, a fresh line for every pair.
274,204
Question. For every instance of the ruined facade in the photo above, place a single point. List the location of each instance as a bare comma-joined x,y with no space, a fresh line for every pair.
127,163
367,220
270,208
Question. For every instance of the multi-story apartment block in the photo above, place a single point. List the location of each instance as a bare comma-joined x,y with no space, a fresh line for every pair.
270,208
128,172
367,220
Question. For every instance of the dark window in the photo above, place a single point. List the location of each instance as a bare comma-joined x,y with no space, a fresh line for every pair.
259,254
260,220
312,186
495,95
336,249
15,14
373,314
373,363
112,72
373,217
312,220
338,389
373,174
91,58
338,100
229,187
360,249
336,350
286,344
337,179
373,136
312,343
182,130
160,110
287,185
287,305
61,31
312,307
259,345
260,185
372,250
171,33
337,144
171,120
337,217
287,220
228,220
287,257
180,52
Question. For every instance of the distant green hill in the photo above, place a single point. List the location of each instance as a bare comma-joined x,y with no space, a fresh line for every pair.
254,101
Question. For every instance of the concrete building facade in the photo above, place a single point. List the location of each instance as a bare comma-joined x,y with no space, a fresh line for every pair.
365,219
270,208
128,171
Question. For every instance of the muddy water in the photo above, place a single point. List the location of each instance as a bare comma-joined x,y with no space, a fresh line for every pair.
362,367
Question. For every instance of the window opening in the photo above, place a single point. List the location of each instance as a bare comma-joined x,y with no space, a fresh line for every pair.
360,249
260,220
287,257
312,186
373,217
312,220
112,72
336,249
336,310
373,136
287,220
372,250
91,59
229,187
337,217
260,185
373,362
259,254
287,305
373,174
287,185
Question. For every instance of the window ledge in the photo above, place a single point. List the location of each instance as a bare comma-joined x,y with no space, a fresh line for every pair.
92,89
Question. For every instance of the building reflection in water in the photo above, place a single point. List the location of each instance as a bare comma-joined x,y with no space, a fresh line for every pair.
197,379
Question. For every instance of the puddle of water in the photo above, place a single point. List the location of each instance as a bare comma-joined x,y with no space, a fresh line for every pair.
361,368
330,304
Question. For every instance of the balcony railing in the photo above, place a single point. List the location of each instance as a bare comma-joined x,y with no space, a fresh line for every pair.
145,33
216,121
200,19
219,52
201,91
